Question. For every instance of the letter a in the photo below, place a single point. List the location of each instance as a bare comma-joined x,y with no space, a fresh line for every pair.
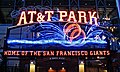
72,16
22,17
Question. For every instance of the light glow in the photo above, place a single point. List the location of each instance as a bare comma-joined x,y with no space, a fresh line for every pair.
32,67
64,43
104,70
82,62
70,28
81,67
71,35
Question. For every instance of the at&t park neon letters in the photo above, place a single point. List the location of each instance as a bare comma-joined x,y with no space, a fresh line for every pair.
71,16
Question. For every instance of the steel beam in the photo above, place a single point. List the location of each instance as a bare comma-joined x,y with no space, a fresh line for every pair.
118,8
75,3
101,4
46,3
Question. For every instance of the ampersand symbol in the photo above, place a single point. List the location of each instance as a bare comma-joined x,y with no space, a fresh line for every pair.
40,17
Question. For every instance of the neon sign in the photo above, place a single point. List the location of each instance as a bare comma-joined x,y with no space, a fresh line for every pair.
80,17
67,29
67,35
57,53
73,28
